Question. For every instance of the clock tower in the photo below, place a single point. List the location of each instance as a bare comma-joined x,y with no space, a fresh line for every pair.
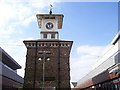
49,25
47,59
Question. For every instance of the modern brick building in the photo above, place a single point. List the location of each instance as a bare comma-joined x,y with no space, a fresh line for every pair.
47,59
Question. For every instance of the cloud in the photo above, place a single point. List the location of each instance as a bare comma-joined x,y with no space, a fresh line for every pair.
86,56
87,1
19,13
28,20
14,17
90,50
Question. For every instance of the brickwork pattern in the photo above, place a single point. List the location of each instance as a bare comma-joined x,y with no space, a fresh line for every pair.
57,69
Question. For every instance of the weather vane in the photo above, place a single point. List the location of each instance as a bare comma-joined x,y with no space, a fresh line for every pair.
50,9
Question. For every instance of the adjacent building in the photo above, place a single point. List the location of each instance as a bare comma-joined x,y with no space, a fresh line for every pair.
8,72
106,72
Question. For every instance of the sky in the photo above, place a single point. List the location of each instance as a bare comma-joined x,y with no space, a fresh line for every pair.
90,25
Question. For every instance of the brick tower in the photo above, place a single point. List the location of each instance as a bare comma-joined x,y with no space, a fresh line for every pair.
47,59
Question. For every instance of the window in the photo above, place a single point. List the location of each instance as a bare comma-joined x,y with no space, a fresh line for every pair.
52,35
45,36
117,58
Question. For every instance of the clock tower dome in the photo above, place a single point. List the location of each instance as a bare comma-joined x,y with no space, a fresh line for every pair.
49,24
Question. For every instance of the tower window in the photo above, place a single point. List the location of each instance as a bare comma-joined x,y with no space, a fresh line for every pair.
44,35
52,35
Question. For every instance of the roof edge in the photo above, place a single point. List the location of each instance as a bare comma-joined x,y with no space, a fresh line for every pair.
116,38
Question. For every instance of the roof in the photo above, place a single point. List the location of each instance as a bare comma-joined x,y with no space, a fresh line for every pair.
34,43
8,60
116,38
47,40
52,16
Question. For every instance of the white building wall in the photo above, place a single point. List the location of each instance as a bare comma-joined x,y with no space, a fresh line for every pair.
106,61
110,52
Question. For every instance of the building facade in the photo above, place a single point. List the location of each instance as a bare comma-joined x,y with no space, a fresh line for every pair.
106,72
8,72
47,59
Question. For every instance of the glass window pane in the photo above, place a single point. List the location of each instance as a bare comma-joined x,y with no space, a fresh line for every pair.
52,35
44,35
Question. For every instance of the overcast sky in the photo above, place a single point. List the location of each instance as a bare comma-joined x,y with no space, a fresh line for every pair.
91,25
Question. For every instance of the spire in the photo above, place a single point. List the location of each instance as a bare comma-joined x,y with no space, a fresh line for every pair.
50,9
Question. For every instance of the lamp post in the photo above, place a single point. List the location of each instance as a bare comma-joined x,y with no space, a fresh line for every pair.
44,59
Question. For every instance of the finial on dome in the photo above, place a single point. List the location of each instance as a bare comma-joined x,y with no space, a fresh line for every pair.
50,9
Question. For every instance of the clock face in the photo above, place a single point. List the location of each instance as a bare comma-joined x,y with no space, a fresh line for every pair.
49,25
